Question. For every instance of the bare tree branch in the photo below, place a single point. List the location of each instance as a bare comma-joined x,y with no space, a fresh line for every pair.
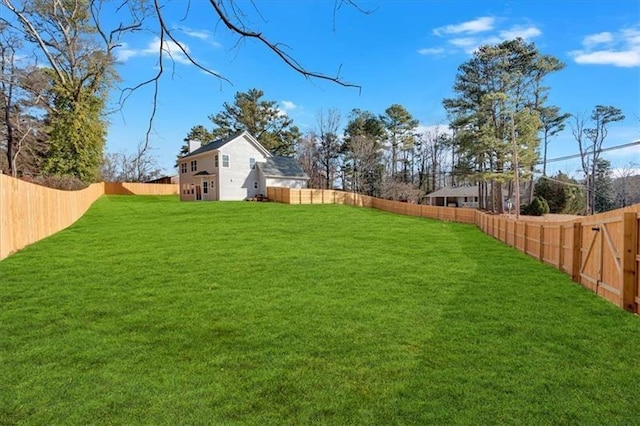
285,57
32,32
337,5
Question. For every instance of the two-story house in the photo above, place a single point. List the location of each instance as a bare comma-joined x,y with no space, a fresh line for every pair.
234,168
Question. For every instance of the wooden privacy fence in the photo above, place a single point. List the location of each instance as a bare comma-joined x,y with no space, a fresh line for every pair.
601,252
30,212
329,196
132,188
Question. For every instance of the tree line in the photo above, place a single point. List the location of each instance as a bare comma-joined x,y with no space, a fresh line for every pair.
58,66
500,126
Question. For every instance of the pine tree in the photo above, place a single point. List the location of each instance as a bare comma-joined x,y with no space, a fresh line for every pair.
263,119
498,91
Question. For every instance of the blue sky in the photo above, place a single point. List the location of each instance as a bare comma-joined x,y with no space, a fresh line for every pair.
404,52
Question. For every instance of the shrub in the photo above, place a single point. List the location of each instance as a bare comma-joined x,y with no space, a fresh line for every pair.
538,207
65,183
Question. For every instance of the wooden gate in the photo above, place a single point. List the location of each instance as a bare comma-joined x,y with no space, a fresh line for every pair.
601,269
608,264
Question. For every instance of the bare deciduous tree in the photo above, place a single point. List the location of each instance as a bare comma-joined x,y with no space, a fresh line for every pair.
139,166
328,144
590,140
309,158
622,180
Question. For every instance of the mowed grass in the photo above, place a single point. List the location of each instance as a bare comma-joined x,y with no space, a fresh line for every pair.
152,311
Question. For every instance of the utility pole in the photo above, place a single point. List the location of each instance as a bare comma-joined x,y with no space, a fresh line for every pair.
515,166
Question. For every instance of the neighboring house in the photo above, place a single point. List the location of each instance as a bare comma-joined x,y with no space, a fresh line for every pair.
235,168
460,196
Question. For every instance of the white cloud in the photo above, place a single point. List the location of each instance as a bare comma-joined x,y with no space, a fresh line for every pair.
123,53
600,38
465,42
623,59
171,48
465,36
471,44
621,49
632,36
525,33
484,23
204,35
431,51
288,105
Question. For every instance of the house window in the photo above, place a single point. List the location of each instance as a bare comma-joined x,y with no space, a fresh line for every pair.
252,163
183,168
194,166
205,187
225,160
191,189
215,161
255,184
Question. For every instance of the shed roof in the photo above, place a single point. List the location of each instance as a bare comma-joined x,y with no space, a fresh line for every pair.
280,166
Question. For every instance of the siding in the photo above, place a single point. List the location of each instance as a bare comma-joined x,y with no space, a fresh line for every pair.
205,163
286,183
236,181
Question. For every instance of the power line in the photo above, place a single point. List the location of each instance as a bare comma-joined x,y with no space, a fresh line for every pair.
611,148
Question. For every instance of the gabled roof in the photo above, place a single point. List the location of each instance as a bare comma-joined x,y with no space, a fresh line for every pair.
460,191
212,146
219,143
279,166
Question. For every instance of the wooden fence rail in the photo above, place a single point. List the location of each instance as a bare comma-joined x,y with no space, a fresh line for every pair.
30,212
601,252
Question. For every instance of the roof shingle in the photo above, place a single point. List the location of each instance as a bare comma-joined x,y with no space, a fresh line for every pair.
216,144
279,166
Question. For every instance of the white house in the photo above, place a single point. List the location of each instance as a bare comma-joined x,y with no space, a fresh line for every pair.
235,168
460,196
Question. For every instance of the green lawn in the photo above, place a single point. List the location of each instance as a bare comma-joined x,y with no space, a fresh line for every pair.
152,311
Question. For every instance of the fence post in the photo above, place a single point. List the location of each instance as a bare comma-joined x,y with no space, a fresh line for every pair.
629,263
526,238
577,252
541,253
561,248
